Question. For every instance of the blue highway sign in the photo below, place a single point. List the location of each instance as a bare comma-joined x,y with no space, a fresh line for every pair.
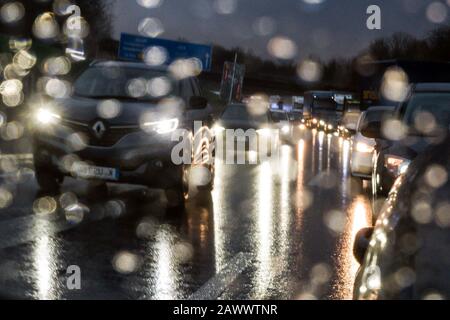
132,48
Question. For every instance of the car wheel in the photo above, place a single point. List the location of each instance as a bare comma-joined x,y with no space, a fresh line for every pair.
48,179
178,195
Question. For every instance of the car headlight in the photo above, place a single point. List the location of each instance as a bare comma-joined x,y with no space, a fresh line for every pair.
396,165
330,127
322,123
46,117
163,126
364,147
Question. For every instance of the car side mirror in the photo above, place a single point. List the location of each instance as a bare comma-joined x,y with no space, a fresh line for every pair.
197,102
372,129
361,244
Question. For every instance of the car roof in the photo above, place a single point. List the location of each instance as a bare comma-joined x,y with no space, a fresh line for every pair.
127,64
278,111
432,87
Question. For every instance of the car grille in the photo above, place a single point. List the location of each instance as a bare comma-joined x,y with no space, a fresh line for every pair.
111,136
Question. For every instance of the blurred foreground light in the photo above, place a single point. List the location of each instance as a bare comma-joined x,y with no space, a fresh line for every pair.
61,7
437,12
68,199
137,88
13,71
394,130
126,262
264,26
57,66
76,27
77,141
56,88
13,100
436,176
335,221
12,131
159,87
185,68
309,71
442,214
422,212
395,84
74,213
24,59
225,6
12,12
115,208
282,48
17,44
321,273
6,198
155,56
425,122
183,252
109,109
146,229
45,26
151,27
149,4
11,87
46,117
45,206
258,104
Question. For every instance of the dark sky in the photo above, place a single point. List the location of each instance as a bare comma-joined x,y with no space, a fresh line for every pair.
339,26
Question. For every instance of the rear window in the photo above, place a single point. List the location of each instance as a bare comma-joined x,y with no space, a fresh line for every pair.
238,112
279,116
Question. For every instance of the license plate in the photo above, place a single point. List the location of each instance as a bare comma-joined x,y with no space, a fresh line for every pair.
92,172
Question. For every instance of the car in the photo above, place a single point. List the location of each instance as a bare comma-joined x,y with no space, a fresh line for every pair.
117,127
405,256
249,127
281,121
420,120
351,115
363,148
296,116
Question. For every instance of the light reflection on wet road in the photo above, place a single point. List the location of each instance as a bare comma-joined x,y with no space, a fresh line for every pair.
285,230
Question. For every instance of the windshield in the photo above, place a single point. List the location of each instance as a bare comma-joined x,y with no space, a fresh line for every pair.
324,104
279,116
428,109
119,82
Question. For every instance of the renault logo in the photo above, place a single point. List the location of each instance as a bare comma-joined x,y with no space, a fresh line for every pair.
99,129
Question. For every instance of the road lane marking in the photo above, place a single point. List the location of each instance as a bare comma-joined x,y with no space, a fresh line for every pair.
215,286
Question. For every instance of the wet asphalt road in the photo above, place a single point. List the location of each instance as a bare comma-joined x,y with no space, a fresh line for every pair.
281,230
